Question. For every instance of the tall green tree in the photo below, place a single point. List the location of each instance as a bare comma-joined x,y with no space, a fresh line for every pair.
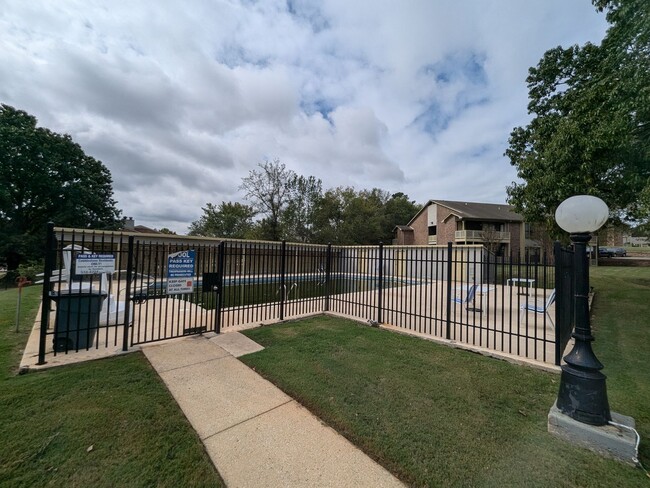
590,130
233,220
363,221
45,176
285,200
298,218
269,191
398,210
347,216
329,215
295,208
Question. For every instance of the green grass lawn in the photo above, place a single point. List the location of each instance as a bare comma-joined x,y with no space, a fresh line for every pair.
621,324
638,250
50,419
437,416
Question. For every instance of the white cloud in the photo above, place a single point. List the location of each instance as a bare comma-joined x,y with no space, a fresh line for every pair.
181,100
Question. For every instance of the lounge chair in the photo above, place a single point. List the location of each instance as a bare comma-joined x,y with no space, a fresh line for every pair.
533,307
469,298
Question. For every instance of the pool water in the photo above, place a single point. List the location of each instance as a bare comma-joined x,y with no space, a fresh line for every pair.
246,291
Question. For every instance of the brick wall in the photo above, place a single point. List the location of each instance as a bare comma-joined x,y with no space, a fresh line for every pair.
515,238
404,237
611,237
420,230
446,230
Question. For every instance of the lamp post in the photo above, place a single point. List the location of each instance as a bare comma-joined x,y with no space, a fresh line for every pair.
583,393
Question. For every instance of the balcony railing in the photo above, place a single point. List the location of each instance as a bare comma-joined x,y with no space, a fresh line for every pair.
481,236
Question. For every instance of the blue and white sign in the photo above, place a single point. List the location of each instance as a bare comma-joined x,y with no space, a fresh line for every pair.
180,272
90,264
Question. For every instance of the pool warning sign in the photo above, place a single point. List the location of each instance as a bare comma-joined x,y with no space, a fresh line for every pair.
180,272
90,264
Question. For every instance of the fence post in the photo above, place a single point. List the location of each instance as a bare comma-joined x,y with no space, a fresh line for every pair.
560,293
380,318
328,271
221,259
449,271
283,263
45,302
127,302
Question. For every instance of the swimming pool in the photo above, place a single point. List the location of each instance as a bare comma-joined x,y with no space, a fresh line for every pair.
258,289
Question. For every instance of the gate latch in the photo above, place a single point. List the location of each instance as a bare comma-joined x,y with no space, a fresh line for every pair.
210,282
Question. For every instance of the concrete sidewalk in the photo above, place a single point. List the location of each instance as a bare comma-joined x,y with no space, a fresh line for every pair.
254,433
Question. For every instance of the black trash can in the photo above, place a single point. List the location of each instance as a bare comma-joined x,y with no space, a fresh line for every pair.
77,319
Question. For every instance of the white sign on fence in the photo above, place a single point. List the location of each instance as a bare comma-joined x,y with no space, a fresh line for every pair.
180,272
90,264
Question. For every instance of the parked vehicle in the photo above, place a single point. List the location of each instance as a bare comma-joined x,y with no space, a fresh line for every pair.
609,252
604,252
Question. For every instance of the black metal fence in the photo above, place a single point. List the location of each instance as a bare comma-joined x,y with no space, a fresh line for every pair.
565,288
458,293
104,289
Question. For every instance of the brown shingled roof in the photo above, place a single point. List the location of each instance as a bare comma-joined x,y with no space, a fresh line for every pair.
476,211
481,211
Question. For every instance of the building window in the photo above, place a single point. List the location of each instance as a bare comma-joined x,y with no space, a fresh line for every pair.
533,254
528,229
432,230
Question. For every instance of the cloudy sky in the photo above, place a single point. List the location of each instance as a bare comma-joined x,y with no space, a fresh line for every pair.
180,100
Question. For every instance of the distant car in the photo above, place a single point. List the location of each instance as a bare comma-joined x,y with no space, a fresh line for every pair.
605,252
608,252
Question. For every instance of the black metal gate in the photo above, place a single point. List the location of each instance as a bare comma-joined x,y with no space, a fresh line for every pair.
163,304
105,289
114,290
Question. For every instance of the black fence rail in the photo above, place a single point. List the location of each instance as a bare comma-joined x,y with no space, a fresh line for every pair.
104,289
267,281
458,293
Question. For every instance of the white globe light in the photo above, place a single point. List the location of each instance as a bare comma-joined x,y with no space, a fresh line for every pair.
581,213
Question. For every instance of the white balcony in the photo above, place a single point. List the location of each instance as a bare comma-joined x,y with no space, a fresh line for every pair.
481,236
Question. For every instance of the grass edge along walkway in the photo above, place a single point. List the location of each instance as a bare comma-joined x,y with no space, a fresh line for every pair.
438,416
109,422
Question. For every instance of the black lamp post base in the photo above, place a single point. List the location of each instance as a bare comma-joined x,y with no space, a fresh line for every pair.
583,396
